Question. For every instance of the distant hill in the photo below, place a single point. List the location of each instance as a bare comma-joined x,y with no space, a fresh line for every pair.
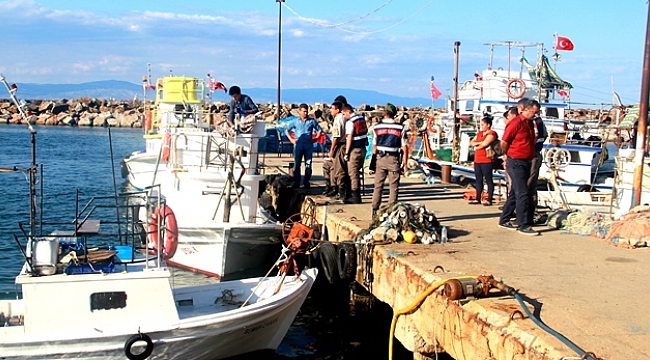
124,90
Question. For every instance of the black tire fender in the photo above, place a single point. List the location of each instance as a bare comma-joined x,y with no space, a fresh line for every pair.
587,188
134,339
347,260
327,256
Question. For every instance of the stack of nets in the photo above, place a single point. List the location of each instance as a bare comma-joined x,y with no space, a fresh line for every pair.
632,230
587,224
392,221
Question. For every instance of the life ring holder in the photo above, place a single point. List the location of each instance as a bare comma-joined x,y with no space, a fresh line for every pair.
166,216
515,84
134,339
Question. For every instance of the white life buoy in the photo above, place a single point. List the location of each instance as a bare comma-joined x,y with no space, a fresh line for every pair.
515,88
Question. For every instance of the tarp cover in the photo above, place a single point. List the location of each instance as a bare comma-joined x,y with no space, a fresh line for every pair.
544,74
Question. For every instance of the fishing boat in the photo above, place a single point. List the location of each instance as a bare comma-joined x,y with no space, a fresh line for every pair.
97,287
208,174
496,89
125,306
105,304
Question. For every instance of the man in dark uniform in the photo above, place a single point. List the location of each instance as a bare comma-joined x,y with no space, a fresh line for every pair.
339,172
388,140
356,133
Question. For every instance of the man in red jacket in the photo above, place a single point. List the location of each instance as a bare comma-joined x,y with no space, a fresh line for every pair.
518,143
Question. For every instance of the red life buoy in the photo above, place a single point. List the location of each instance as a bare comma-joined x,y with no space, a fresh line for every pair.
520,92
147,122
167,140
167,217
431,125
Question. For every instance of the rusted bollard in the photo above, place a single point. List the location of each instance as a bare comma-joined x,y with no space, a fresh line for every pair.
446,174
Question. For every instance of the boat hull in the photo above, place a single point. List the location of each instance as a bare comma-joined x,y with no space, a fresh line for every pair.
256,327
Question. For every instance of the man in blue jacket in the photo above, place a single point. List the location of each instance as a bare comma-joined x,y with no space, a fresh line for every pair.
306,131
240,104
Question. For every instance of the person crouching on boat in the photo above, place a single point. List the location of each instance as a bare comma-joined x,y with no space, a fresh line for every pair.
240,104
483,165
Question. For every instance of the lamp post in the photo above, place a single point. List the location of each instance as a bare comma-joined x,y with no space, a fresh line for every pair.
277,113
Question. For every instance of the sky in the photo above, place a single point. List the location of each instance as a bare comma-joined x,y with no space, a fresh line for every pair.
391,46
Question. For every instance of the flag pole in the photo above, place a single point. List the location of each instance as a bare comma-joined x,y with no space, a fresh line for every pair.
432,99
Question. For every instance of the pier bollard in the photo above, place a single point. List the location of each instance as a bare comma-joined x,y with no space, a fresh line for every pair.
446,174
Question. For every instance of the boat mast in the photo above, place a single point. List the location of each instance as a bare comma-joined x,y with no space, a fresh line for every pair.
491,56
455,153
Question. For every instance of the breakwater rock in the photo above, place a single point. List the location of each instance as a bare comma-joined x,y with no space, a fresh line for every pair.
79,112
121,113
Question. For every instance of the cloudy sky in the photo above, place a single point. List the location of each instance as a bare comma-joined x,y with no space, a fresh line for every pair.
391,46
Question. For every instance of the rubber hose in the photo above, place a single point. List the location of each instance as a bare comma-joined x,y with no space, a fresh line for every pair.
415,305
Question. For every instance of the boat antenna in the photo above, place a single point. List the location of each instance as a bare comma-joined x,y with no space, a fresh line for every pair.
33,169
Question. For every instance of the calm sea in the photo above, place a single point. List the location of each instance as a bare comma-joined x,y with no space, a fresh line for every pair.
79,158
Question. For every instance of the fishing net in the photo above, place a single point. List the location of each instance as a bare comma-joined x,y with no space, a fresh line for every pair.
632,230
587,224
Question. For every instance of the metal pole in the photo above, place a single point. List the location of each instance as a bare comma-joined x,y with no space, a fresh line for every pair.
277,112
456,143
491,57
643,121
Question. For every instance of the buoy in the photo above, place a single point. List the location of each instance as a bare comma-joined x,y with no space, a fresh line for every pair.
409,237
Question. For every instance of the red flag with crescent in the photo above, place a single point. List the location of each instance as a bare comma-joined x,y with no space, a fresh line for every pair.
435,93
563,43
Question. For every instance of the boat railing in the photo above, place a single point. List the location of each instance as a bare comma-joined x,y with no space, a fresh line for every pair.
189,117
204,150
109,224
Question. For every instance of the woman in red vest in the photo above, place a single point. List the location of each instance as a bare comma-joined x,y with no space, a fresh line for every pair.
483,165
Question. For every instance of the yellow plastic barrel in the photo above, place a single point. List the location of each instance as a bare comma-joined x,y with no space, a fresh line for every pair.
179,89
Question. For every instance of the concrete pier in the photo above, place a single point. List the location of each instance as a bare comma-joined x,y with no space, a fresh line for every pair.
593,293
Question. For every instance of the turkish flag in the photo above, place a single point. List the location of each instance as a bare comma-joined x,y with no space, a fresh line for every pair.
563,43
435,93
216,85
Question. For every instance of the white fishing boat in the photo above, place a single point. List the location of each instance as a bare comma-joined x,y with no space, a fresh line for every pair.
496,89
131,310
582,167
210,179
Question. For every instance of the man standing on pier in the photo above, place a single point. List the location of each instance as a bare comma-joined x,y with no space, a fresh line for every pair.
518,143
307,131
541,134
388,141
339,174
356,133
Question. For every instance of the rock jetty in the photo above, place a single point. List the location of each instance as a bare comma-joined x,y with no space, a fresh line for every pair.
121,113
